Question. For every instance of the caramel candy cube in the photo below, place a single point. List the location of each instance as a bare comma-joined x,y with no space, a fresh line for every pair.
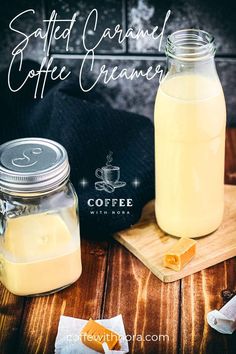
180,254
93,335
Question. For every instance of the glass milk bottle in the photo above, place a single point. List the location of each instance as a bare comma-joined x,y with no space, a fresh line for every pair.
190,119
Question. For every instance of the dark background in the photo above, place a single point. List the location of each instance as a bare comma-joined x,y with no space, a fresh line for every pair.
217,17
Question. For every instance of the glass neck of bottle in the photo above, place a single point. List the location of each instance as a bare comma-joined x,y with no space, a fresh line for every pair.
191,50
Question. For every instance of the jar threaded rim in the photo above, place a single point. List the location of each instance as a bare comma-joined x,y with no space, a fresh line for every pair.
190,45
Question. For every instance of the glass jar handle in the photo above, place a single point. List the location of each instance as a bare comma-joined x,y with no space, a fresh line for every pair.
2,218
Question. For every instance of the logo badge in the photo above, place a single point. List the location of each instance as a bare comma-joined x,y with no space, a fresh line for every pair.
109,176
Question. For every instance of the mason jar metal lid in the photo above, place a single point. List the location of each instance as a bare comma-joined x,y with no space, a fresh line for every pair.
32,165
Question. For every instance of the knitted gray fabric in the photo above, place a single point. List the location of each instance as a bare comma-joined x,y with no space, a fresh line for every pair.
88,131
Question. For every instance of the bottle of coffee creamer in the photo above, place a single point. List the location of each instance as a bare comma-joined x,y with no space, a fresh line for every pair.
190,119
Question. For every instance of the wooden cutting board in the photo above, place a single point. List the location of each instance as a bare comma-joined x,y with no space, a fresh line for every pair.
149,243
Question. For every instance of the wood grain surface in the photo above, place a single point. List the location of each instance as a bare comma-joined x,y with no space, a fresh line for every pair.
200,293
114,282
149,243
144,301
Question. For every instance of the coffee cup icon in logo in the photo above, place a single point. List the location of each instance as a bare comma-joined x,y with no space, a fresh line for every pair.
109,175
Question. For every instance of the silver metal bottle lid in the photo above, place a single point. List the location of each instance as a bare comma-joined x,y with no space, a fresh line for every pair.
32,165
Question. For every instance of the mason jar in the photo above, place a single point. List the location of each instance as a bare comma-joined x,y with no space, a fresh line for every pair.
190,120
39,226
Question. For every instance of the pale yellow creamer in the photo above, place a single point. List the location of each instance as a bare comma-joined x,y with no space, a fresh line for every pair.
40,255
190,119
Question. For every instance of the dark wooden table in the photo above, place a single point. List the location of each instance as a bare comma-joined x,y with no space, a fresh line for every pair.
114,282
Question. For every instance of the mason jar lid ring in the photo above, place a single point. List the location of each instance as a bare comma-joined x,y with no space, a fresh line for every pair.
32,165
